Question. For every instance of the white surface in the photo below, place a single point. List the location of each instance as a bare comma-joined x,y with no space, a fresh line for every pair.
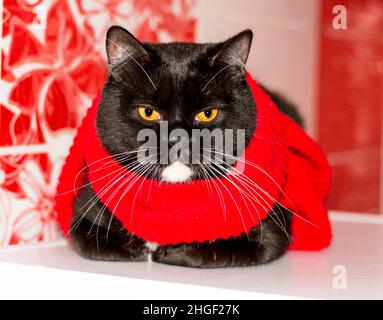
54,271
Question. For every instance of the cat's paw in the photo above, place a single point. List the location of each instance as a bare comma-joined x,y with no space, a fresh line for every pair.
192,255
180,255
132,250
219,254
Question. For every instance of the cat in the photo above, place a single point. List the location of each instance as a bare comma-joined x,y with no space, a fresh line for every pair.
175,81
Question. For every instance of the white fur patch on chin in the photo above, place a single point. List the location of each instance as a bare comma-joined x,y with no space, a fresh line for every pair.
176,172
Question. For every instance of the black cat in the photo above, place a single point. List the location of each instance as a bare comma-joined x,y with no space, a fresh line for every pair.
175,82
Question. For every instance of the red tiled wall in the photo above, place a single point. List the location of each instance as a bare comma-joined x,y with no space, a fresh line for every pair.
351,101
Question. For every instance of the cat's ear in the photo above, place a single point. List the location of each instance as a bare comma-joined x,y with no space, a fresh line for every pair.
121,45
234,50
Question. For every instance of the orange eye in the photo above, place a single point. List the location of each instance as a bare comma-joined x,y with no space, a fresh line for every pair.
148,113
207,115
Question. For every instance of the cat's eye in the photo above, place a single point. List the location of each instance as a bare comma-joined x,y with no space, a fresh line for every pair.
148,113
207,115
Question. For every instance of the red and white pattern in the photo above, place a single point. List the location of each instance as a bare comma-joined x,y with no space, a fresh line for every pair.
52,64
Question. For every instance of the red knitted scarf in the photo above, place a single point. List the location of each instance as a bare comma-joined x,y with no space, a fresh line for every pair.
283,165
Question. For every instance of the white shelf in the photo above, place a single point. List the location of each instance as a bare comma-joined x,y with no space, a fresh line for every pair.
54,271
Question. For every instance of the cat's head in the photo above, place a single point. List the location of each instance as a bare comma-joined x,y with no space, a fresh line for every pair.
174,86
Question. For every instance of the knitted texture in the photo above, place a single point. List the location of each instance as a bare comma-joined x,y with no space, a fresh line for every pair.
282,164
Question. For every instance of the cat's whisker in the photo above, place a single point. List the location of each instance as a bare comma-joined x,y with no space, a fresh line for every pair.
235,203
103,190
105,205
272,180
152,176
200,170
276,201
245,180
101,212
207,181
220,195
93,200
270,209
139,172
134,169
230,180
149,169
240,190
122,154
90,203
110,183
138,168
103,177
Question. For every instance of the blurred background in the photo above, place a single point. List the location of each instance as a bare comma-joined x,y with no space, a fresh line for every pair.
326,58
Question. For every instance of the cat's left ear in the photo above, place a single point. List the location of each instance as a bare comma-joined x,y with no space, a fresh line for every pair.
234,50
122,45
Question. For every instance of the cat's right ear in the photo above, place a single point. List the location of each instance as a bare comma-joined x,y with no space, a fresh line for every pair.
235,50
122,45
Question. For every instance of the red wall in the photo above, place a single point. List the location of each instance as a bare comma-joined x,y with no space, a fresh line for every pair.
351,101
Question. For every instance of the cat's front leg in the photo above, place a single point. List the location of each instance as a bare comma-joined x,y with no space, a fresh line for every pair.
259,246
96,234
217,254
112,246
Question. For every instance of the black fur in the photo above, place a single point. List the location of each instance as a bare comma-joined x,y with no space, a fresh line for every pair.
107,239
181,74
180,71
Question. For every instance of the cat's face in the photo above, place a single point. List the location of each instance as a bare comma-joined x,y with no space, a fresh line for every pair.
183,85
